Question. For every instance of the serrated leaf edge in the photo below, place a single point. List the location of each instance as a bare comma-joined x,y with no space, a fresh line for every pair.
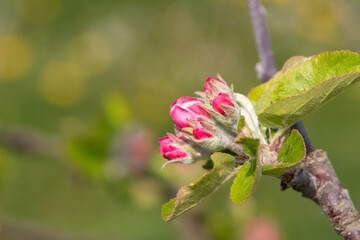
169,218
266,110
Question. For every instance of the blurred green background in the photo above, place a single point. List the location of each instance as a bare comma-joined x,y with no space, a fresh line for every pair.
85,89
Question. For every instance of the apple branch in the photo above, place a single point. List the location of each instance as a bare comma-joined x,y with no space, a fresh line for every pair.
315,178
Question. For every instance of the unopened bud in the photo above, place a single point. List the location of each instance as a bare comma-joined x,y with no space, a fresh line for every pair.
170,150
220,101
200,132
215,86
186,110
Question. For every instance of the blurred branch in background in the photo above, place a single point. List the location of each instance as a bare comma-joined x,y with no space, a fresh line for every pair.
29,141
129,154
316,178
17,231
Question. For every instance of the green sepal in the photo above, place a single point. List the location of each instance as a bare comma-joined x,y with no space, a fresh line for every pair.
241,123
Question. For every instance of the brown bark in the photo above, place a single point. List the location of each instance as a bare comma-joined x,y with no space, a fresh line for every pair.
317,180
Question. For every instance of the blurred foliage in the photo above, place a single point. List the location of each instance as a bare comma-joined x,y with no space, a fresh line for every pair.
100,76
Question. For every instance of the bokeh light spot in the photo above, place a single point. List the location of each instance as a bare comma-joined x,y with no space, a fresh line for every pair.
146,193
16,57
62,84
151,107
38,11
316,21
117,109
92,52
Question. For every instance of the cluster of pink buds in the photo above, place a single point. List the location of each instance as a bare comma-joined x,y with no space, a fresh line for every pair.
207,124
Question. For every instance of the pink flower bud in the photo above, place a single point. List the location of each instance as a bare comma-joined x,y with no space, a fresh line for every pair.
207,88
170,150
184,109
200,133
222,99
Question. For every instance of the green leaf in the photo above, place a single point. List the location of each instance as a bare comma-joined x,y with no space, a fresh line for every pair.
191,195
255,93
294,62
291,155
302,89
208,165
167,208
247,175
243,183
250,145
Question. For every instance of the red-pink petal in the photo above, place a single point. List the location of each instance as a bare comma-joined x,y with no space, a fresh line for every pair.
199,111
184,109
221,99
175,155
183,100
180,117
170,150
166,145
200,133
207,88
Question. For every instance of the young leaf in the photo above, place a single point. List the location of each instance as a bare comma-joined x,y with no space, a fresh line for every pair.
191,195
291,155
294,62
303,89
247,175
255,93
250,146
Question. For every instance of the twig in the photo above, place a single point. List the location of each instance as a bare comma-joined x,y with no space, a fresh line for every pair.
30,141
266,68
38,144
316,178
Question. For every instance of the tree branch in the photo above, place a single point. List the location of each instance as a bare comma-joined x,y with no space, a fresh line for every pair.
266,67
30,141
316,178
